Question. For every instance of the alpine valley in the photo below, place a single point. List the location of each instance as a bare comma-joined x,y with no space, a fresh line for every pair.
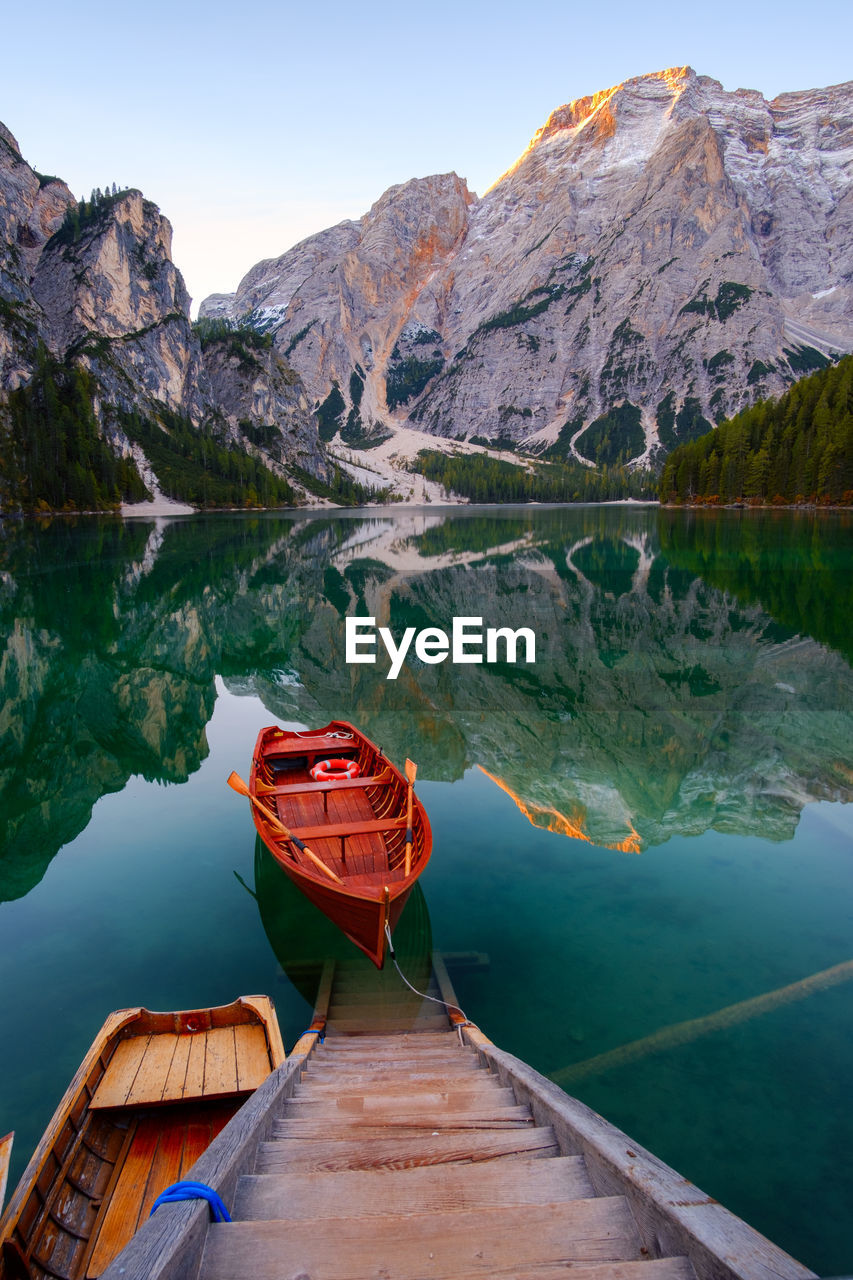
664,254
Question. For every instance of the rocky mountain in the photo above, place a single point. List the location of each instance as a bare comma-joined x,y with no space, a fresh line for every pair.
664,253
93,285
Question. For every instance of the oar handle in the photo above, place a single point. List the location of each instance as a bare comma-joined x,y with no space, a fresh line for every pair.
237,784
318,862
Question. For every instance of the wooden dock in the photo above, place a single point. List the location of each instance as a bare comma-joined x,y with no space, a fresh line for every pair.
405,1147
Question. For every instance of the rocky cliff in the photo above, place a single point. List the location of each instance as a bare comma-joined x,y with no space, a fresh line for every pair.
663,253
94,285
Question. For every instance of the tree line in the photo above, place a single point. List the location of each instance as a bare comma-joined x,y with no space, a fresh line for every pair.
482,478
797,449
53,456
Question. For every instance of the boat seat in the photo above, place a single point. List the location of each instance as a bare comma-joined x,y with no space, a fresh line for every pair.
343,784
330,830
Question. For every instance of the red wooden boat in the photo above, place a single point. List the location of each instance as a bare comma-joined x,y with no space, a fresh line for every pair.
343,823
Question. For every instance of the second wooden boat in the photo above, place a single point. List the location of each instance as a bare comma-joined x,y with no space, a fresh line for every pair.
352,836
150,1096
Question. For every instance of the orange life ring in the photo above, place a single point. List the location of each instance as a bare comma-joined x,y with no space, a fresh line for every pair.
335,770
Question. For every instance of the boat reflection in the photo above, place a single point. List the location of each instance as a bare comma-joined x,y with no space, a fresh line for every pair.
308,946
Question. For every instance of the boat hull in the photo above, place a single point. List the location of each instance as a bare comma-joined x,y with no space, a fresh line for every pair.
357,829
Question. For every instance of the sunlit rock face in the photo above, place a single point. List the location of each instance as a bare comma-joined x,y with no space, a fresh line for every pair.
31,209
664,247
106,296
117,283
337,302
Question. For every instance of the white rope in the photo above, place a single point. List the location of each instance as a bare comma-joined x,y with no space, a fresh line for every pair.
422,994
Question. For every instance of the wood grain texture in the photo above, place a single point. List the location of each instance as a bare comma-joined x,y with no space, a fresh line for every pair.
253,1061
657,1269
407,1152
119,1076
432,1189
153,1069
220,1063
307,1102
487,1242
175,1084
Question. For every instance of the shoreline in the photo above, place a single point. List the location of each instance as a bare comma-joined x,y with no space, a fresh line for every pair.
167,509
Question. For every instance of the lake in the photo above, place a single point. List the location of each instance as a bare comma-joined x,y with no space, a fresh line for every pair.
644,829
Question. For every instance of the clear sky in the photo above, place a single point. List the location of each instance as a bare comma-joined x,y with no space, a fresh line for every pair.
254,125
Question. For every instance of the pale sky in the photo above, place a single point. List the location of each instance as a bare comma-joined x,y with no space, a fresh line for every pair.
255,125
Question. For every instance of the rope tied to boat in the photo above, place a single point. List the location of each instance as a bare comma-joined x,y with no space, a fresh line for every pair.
465,1022
193,1191
314,1031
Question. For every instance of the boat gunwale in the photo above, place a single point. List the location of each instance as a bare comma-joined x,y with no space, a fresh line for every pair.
370,894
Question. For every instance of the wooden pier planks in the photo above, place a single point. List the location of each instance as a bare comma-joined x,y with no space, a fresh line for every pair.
483,1241
400,1155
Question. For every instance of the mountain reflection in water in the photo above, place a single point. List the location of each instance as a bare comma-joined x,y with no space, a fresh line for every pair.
692,668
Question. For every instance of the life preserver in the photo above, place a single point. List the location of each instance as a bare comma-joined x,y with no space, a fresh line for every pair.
335,770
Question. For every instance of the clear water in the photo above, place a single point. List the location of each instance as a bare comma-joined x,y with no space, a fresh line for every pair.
645,828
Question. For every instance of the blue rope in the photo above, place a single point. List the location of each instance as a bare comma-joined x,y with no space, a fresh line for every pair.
312,1031
193,1191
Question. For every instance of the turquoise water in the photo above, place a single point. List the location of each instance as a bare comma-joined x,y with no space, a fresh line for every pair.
645,828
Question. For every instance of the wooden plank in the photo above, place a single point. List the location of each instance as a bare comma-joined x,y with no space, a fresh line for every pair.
405,1052
485,1242
117,1080
119,1221
370,1127
432,1189
366,1084
194,1083
371,1064
342,784
412,1041
174,1087
253,1061
656,1269
407,1152
167,1162
334,830
150,1079
199,1135
308,1102
220,1062
388,1024
353,1002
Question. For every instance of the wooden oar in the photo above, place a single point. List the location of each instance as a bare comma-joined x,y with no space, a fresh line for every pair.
411,774
237,784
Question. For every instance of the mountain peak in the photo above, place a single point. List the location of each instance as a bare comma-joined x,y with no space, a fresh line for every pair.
657,86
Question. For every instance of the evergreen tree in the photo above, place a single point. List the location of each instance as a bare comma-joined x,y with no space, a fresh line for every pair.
798,448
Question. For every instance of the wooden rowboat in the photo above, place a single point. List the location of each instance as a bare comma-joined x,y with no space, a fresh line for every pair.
354,846
150,1096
